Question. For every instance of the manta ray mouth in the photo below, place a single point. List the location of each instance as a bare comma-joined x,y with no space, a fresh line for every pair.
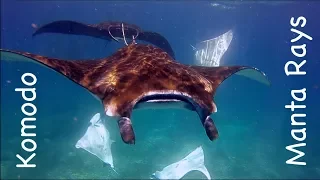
167,100
174,97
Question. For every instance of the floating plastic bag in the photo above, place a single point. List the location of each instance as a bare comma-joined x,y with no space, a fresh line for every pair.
209,52
97,141
194,161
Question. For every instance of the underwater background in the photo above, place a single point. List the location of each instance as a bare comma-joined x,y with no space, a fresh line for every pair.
253,124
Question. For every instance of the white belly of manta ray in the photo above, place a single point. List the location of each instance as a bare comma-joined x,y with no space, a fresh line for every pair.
166,102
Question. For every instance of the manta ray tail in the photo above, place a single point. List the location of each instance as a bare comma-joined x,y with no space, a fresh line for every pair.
78,71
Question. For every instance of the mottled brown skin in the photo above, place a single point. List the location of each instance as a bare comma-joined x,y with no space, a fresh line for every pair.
122,79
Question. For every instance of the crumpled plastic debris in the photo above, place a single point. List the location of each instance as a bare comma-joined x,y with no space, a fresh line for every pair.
209,52
97,141
192,162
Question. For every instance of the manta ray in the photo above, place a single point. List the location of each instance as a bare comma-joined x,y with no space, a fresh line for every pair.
143,73
110,30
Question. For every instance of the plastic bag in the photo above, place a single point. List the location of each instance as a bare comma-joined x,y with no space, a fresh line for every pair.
194,161
210,52
97,141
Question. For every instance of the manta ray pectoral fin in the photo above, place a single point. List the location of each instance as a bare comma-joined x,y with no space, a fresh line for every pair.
10,56
72,27
216,75
254,74
77,71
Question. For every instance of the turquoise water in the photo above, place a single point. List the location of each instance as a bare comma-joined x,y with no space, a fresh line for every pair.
253,124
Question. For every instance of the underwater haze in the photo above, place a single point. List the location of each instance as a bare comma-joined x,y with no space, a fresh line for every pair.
254,125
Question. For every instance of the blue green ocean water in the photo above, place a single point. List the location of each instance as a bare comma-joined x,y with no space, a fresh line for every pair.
253,124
